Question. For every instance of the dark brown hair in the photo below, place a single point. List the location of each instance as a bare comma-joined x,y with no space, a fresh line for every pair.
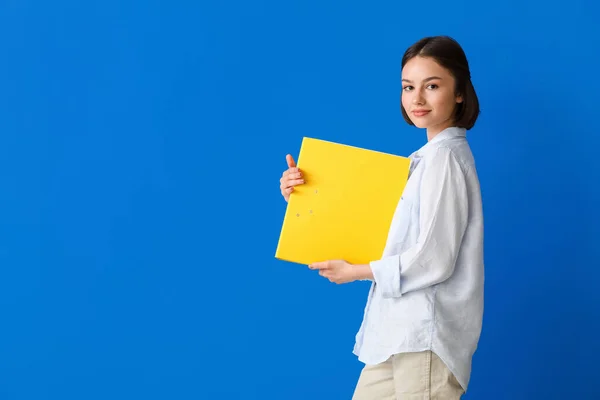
448,53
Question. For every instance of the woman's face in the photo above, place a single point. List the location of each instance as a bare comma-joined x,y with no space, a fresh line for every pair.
428,94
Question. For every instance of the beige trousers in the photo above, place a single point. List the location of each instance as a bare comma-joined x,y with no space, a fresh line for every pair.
408,376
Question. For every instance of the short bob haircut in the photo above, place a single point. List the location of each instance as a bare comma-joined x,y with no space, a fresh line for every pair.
448,53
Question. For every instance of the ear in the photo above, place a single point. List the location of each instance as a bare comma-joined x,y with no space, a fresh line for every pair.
459,98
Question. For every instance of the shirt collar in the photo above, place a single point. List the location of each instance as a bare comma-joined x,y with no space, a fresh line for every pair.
448,133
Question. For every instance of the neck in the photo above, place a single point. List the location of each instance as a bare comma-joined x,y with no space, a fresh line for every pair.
433,131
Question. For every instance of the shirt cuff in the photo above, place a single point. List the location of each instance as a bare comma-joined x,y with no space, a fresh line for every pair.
386,273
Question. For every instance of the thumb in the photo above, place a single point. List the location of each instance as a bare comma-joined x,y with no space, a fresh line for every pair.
290,161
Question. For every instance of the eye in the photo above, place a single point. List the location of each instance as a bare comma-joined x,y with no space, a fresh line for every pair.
407,88
432,86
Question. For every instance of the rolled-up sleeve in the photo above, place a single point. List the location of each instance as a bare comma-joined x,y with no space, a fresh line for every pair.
443,216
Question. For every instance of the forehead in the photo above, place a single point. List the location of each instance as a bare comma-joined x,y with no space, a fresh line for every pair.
419,68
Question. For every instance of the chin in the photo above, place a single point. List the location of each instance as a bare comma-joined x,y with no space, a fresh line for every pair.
420,124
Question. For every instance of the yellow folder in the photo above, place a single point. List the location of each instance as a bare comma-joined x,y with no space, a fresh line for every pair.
345,207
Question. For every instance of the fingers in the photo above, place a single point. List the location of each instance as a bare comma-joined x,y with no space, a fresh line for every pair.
329,275
290,161
294,182
294,172
326,270
288,186
290,179
291,174
286,192
323,265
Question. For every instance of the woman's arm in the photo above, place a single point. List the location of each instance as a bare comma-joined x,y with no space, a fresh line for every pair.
443,219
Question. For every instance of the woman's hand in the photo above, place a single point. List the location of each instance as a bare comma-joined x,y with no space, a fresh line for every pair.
290,178
340,271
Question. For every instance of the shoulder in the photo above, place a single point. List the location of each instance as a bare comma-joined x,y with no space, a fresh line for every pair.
453,151
447,157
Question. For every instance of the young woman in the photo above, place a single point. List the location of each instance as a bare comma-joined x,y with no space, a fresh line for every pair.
424,312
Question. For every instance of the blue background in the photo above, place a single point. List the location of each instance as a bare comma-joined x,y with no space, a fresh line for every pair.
141,145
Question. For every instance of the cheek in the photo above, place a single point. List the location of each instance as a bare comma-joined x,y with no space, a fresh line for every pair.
405,100
442,102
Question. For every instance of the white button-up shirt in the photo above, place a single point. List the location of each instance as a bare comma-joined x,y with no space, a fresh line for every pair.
427,292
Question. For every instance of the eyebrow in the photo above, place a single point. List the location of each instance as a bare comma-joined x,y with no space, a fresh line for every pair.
424,80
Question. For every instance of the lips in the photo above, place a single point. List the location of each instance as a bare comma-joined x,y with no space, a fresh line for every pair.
421,113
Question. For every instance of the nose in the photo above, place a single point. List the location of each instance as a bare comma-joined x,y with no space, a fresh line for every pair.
418,98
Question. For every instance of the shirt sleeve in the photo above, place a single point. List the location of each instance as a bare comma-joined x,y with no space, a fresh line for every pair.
443,216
